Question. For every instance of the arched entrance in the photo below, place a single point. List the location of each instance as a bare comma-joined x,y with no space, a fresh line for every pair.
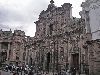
48,61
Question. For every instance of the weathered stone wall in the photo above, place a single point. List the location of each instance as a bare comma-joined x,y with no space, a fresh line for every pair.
14,49
61,36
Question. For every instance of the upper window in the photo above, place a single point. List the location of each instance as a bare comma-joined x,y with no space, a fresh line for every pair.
17,58
51,28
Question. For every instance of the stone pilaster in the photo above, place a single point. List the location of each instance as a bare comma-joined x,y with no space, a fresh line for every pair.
0,46
91,60
8,52
0,51
26,56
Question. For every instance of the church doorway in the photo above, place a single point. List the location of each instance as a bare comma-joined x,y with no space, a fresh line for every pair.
75,61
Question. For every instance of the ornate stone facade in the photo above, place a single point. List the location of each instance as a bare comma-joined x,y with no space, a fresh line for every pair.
90,13
59,39
60,42
92,60
12,47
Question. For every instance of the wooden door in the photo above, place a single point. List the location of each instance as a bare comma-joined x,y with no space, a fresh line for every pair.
76,61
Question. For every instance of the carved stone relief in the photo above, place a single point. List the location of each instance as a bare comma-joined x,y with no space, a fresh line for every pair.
95,5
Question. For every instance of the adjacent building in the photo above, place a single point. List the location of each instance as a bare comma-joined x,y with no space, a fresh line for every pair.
12,47
91,13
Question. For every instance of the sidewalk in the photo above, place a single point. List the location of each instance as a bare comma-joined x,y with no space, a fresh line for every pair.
10,73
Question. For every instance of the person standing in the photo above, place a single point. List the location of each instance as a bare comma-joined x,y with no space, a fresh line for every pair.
63,72
7,68
17,68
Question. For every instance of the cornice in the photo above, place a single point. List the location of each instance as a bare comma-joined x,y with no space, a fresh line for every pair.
92,1
85,4
94,4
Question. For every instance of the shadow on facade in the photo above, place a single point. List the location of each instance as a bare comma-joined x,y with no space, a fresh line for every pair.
48,62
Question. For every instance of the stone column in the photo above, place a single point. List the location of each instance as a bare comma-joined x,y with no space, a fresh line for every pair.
0,52
88,22
8,52
0,46
26,57
97,59
86,56
91,60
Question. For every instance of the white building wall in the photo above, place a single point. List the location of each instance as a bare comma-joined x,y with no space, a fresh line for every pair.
94,15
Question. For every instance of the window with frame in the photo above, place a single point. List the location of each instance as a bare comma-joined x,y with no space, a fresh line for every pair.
17,58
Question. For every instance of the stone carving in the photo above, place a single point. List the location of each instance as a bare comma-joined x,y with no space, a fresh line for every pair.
92,1
95,5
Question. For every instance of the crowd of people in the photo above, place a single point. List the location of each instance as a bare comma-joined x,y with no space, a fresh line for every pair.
16,69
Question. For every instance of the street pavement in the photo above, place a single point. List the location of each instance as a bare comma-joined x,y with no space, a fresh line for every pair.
9,73
5,73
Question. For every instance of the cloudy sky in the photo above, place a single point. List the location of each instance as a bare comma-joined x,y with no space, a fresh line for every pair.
21,14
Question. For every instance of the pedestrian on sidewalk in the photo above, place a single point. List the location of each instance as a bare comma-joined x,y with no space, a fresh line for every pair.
63,72
7,68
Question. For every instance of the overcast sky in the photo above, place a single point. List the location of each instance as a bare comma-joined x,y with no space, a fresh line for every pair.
21,14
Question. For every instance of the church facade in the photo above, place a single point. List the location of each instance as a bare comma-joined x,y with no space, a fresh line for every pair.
59,39
66,42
